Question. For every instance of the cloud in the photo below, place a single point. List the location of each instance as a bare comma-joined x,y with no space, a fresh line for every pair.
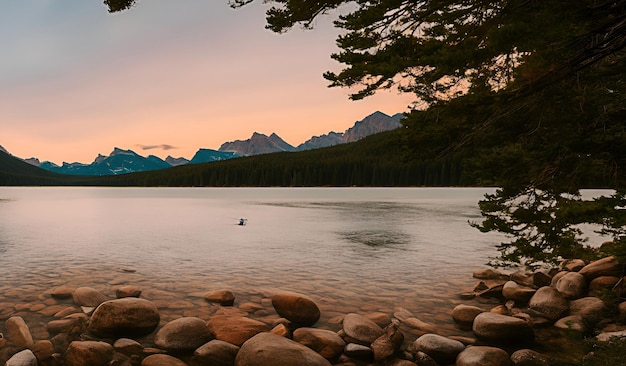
161,147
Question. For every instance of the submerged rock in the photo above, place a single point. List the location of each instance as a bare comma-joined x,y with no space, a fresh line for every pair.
298,308
126,317
361,329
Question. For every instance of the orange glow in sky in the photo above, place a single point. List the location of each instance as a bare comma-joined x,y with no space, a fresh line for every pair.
76,81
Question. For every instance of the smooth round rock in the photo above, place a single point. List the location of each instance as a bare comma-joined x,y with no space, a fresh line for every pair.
128,316
183,334
572,285
608,266
502,328
81,353
483,356
512,291
266,349
549,302
325,342
441,349
162,360
128,346
216,353
235,329
18,333
361,329
590,309
464,314
299,309
87,296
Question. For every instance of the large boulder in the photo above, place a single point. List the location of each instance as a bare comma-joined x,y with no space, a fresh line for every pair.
124,317
266,349
297,308
81,353
441,349
549,302
87,296
215,353
18,333
608,266
590,309
572,285
325,342
183,334
512,291
502,328
483,356
464,314
360,329
235,329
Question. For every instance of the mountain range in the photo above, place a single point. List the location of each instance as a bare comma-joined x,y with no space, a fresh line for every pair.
121,161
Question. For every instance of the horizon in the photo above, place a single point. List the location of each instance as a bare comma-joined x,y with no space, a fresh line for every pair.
165,79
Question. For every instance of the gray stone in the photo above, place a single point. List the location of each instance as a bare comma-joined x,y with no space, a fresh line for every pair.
266,349
23,358
590,309
512,291
572,285
549,302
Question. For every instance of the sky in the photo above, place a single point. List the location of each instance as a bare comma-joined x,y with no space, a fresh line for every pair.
164,78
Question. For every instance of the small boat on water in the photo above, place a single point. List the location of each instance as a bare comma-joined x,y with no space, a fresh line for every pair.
242,222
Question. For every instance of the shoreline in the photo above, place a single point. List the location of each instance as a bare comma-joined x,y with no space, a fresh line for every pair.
58,304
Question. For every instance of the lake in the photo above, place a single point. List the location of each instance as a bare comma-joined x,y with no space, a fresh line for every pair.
349,249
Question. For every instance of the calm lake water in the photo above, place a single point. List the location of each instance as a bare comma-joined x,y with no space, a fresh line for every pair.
350,249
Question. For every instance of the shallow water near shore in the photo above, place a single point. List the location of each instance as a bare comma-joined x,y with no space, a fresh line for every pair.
357,250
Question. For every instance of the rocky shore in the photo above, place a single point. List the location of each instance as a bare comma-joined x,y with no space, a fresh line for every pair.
84,326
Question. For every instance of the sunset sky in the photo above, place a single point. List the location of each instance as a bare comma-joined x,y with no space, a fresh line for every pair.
164,78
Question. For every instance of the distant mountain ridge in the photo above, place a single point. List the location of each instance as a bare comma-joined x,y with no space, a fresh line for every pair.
262,144
121,161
